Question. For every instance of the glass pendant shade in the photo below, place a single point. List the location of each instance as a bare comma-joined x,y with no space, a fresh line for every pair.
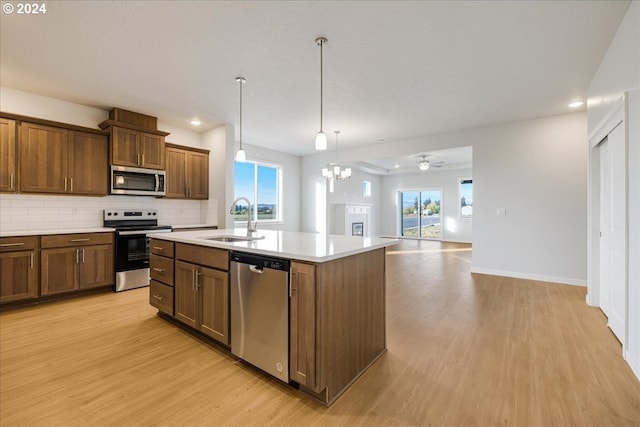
241,156
321,141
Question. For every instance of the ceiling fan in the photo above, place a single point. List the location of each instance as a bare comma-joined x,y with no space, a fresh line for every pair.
425,164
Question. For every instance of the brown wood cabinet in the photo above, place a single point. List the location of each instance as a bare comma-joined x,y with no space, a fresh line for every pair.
76,261
135,148
187,172
302,328
18,268
8,159
202,289
57,160
202,299
162,275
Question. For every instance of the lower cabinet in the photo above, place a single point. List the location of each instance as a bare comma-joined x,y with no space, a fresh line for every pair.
202,299
302,326
18,268
71,262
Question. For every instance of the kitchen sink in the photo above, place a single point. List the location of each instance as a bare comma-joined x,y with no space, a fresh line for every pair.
232,239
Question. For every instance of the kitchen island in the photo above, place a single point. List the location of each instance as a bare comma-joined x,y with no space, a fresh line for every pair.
336,296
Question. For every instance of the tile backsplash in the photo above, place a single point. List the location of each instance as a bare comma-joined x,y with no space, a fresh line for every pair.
40,212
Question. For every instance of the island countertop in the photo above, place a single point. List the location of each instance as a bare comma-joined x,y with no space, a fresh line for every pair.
312,247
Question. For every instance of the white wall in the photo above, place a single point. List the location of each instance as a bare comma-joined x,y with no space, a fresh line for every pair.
619,70
619,75
350,191
537,171
454,228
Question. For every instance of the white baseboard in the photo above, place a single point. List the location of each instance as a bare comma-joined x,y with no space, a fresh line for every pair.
529,276
633,362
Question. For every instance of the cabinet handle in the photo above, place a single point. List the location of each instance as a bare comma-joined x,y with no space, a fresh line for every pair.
83,255
193,280
159,270
142,162
79,240
77,256
158,248
12,182
158,297
65,183
31,261
197,281
71,181
7,245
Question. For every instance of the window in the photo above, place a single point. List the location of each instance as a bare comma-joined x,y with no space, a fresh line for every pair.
466,197
420,214
260,183
366,188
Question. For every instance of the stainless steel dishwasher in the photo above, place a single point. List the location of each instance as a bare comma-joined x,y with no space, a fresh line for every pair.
260,312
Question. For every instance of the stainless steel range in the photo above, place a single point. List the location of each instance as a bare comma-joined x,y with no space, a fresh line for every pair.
132,244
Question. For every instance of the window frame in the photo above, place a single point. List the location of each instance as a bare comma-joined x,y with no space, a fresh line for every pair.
255,197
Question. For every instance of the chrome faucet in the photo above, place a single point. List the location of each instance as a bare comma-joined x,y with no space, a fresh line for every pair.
250,229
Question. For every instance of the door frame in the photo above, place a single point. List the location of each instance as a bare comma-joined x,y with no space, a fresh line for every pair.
614,117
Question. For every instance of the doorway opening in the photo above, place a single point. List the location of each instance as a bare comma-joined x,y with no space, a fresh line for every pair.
420,214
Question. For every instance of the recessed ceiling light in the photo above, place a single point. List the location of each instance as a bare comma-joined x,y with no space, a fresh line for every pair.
396,166
196,122
576,104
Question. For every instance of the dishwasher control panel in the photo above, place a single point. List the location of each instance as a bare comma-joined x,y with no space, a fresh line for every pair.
261,261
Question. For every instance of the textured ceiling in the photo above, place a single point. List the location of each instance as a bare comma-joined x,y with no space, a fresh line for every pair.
393,69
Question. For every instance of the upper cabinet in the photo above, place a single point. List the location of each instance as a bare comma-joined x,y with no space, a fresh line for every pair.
135,140
8,156
187,172
62,161
138,149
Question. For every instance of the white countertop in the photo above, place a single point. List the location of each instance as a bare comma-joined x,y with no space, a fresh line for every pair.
43,232
313,247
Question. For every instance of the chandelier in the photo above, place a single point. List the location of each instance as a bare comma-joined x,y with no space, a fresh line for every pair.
334,171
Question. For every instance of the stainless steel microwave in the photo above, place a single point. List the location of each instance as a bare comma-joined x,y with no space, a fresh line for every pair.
137,181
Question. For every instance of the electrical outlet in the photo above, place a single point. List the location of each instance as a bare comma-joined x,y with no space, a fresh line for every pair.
501,212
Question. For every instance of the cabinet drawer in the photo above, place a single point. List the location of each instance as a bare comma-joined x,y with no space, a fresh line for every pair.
8,244
209,257
161,296
161,269
161,247
63,240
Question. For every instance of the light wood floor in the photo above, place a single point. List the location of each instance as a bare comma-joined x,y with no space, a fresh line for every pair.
463,350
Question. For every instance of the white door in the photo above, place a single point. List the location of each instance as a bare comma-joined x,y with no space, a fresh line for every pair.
613,293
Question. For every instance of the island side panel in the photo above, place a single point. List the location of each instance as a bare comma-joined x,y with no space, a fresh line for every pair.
351,294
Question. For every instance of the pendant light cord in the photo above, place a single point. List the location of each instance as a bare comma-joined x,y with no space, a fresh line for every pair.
240,113
321,41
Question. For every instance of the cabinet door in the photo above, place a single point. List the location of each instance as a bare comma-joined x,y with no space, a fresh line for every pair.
197,175
125,145
43,159
176,173
88,164
18,275
152,151
8,155
213,289
59,270
186,297
303,325
95,266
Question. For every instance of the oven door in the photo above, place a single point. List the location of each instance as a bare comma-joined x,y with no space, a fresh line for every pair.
132,250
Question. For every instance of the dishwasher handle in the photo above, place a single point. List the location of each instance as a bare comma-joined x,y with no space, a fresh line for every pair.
256,269
260,262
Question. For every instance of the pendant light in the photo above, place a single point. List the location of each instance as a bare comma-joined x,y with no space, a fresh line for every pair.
321,138
333,171
240,154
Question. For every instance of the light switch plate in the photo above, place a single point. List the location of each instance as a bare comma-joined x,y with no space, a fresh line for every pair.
501,212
